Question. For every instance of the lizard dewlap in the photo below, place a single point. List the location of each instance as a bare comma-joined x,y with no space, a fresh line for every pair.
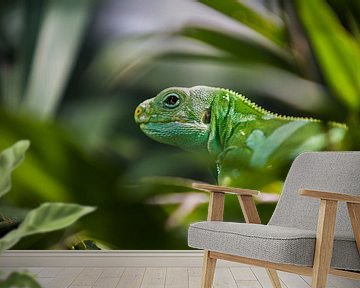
240,136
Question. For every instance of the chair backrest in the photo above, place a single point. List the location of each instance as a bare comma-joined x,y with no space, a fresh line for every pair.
327,171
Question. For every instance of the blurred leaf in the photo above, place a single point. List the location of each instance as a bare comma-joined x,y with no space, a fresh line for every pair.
120,59
9,160
36,177
7,225
48,217
43,172
353,137
7,211
85,245
32,16
260,23
11,21
264,147
355,27
158,185
20,280
244,49
58,43
93,120
169,184
337,52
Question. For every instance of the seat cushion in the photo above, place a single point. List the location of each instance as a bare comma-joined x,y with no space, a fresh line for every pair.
270,243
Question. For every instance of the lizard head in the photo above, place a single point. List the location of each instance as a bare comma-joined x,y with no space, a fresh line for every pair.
178,116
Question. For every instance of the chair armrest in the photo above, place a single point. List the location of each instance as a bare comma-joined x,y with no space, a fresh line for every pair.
326,220
325,195
216,204
222,189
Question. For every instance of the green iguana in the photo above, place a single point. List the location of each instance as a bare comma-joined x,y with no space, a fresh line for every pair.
243,139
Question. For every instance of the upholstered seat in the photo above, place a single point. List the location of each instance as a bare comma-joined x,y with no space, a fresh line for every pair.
270,243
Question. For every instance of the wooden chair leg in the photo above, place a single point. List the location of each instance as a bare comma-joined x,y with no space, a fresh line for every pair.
324,243
208,270
274,278
215,213
354,212
251,215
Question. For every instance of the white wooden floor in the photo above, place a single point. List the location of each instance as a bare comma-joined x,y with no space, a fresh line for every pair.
169,277
152,270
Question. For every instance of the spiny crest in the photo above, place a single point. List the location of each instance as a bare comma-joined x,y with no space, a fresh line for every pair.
264,111
248,102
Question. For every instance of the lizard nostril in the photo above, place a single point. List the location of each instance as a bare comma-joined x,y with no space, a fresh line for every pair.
138,111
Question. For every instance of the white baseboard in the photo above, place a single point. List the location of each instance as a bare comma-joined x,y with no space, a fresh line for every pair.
108,258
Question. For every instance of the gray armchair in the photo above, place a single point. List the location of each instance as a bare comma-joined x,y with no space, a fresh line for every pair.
314,231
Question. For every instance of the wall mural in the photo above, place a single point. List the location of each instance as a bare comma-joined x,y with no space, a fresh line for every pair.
73,73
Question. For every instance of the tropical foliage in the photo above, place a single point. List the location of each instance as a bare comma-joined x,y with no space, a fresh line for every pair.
46,218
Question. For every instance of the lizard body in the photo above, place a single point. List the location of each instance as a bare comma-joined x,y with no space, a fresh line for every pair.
242,138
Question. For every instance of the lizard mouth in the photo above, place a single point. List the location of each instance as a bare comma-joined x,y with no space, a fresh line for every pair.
156,125
157,128
161,121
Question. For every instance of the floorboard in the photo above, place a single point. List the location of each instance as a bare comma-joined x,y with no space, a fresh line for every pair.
263,278
131,278
194,277
224,278
177,277
293,280
154,278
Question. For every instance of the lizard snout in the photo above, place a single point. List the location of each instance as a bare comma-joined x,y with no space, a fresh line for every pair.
140,114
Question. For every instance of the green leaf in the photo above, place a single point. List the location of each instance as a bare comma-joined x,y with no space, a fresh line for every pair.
119,59
54,56
245,50
18,279
46,175
48,217
263,147
7,224
266,26
9,160
337,51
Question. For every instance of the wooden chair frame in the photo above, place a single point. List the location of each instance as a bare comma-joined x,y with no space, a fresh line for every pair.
324,235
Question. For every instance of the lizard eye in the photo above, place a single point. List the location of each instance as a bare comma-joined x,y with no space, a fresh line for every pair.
171,100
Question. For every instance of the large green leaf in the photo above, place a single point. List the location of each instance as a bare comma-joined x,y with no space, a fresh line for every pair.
337,51
48,217
9,160
54,56
265,25
47,175
243,48
21,38
126,58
